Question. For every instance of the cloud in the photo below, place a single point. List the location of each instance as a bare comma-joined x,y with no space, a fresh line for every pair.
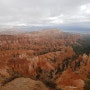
43,12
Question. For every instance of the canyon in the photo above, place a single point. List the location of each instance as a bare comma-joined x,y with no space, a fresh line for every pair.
50,59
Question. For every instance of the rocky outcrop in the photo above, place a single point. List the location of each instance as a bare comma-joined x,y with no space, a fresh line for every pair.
24,84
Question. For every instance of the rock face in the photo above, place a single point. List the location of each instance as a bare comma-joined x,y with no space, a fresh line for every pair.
78,83
24,84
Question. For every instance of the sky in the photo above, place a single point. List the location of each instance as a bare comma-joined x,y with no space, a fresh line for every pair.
44,12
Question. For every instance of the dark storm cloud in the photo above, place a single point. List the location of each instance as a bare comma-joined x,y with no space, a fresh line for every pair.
43,12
